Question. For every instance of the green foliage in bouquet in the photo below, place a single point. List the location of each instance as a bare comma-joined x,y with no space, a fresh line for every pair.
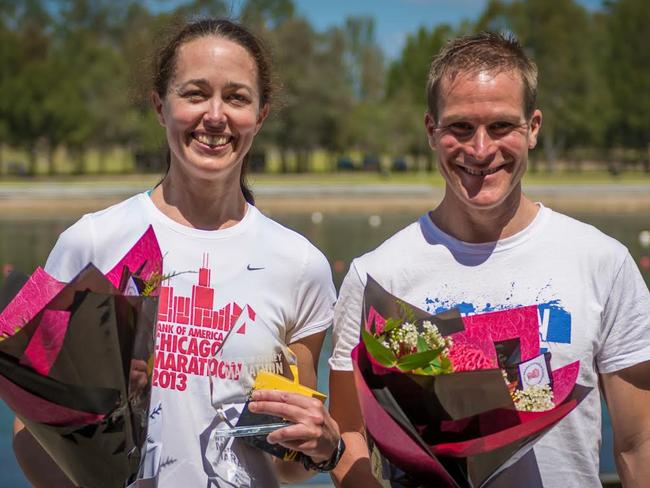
408,346
151,284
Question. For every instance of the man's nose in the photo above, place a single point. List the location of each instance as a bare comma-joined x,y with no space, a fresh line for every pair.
482,145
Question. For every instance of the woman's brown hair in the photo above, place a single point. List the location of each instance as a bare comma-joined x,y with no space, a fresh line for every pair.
165,64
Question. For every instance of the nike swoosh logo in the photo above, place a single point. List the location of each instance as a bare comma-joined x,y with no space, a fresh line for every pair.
252,268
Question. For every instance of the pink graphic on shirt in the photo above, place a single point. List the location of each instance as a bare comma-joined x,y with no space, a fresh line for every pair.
191,330
30,300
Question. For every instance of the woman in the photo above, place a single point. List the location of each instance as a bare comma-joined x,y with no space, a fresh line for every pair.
211,93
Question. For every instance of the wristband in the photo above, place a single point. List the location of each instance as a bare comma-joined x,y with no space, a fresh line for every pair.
328,464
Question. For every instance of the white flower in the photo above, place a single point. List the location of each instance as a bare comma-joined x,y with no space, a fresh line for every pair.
536,398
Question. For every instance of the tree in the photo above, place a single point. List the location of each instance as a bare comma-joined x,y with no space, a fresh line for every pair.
407,76
561,39
365,63
628,71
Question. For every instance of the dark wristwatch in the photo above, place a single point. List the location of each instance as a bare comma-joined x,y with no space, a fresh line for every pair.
328,464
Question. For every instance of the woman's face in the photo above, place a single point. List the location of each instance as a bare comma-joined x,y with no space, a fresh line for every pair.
211,110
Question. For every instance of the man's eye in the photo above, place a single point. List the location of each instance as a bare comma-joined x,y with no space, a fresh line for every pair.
461,129
501,128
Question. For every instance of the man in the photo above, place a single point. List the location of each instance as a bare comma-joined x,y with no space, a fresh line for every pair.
488,247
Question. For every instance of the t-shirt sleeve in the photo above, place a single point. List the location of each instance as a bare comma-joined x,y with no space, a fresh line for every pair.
626,321
72,252
347,320
315,297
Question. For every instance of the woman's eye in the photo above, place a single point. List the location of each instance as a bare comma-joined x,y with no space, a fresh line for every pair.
194,95
240,99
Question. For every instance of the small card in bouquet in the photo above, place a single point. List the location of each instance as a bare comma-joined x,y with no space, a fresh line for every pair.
75,365
456,401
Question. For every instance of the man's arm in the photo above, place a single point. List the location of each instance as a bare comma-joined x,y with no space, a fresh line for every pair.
627,393
38,466
354,468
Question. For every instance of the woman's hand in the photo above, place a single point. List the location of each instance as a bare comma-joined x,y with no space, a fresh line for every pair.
314,432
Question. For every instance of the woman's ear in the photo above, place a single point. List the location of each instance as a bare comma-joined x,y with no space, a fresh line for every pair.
157,103
261,117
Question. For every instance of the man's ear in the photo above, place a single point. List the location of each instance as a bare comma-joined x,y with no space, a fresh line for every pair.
261,117
430,126
535,125
158,107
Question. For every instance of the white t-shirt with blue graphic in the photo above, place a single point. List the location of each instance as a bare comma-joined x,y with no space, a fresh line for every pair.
593,306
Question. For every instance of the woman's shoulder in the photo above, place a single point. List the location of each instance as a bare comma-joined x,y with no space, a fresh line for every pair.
290,246
115,214
277,235
97,237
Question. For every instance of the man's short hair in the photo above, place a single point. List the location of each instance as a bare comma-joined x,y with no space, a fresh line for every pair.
487,51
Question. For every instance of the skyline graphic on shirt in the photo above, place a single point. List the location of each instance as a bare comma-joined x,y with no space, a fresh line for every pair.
191,331
198,308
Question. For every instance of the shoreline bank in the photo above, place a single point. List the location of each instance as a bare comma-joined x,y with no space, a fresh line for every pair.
48,200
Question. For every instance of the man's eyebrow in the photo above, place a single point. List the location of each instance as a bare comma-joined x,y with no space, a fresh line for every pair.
453,118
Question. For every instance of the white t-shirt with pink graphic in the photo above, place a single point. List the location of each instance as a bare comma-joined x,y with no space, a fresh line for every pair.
256,277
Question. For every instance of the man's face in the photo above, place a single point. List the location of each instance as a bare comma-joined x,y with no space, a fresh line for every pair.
482,137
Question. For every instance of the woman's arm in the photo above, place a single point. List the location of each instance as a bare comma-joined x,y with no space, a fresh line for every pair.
39,468
314,433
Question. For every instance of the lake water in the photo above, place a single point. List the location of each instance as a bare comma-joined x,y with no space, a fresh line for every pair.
25,244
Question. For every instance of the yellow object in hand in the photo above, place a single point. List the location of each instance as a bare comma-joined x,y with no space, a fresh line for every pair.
272,381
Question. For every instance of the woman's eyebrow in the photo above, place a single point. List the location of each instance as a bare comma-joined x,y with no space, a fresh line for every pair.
194,81
236,85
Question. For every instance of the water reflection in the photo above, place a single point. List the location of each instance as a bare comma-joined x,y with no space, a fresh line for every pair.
25,244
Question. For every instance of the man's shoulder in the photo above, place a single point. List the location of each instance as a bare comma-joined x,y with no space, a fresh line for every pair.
395,249
569,231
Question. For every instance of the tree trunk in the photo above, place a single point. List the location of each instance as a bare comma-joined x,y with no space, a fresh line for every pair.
31,164
284,161
550,152
102,161
79,161
303,161
431,161
334,157
51,169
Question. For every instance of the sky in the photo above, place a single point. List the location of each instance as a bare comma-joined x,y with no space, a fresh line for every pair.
395,19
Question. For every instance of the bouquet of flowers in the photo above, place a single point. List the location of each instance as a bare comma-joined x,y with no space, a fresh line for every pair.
76,362
451,400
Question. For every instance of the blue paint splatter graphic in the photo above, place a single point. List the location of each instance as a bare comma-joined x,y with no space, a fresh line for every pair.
554,320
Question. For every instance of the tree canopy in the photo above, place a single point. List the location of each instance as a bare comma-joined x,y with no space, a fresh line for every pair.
74,74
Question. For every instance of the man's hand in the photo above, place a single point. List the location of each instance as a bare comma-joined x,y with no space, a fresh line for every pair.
627,393
354,469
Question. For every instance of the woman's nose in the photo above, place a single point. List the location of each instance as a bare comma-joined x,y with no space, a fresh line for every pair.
215,114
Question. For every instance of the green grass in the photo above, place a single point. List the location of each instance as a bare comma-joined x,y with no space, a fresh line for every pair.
321,178
118,169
